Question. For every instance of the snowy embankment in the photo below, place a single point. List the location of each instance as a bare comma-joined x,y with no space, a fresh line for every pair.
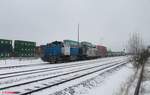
145,86
130,87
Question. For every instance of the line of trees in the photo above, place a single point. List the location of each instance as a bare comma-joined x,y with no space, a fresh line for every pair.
137,49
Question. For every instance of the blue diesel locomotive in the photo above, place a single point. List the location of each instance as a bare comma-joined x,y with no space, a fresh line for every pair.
68,50
58,51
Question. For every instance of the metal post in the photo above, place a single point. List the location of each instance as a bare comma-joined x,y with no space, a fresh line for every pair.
78,34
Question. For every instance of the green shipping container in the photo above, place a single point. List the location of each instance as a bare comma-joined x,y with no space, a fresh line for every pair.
5,48
6,42
24,48
24,43
3,55
71,43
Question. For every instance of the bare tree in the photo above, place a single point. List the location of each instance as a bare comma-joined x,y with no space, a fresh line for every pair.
135,48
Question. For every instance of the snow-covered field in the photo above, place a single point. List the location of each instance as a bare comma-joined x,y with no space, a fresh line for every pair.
106,77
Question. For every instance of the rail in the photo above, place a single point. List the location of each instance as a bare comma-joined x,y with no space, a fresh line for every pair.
139,81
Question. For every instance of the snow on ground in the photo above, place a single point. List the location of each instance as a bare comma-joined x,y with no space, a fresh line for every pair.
95,84
50,72
17,61
145,86
101,83
24,61
51,81
46,74
114,83
52,66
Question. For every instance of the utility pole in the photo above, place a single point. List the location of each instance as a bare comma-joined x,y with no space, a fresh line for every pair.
78,34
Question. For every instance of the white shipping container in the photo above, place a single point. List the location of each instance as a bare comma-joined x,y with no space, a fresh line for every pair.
91,52
66,50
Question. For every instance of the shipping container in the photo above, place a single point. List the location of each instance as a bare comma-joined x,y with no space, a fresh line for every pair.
5,48
92,52
71,43
87,44
88,50
24,48
102,50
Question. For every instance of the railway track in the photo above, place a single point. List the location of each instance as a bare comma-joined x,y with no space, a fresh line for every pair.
8,79
59,79
137,89
20,66
48,68
41,64
23,73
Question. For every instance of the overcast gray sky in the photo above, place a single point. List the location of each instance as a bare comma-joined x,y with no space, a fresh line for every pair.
106,22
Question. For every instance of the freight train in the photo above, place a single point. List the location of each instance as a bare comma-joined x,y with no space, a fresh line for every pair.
68,50
54,52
